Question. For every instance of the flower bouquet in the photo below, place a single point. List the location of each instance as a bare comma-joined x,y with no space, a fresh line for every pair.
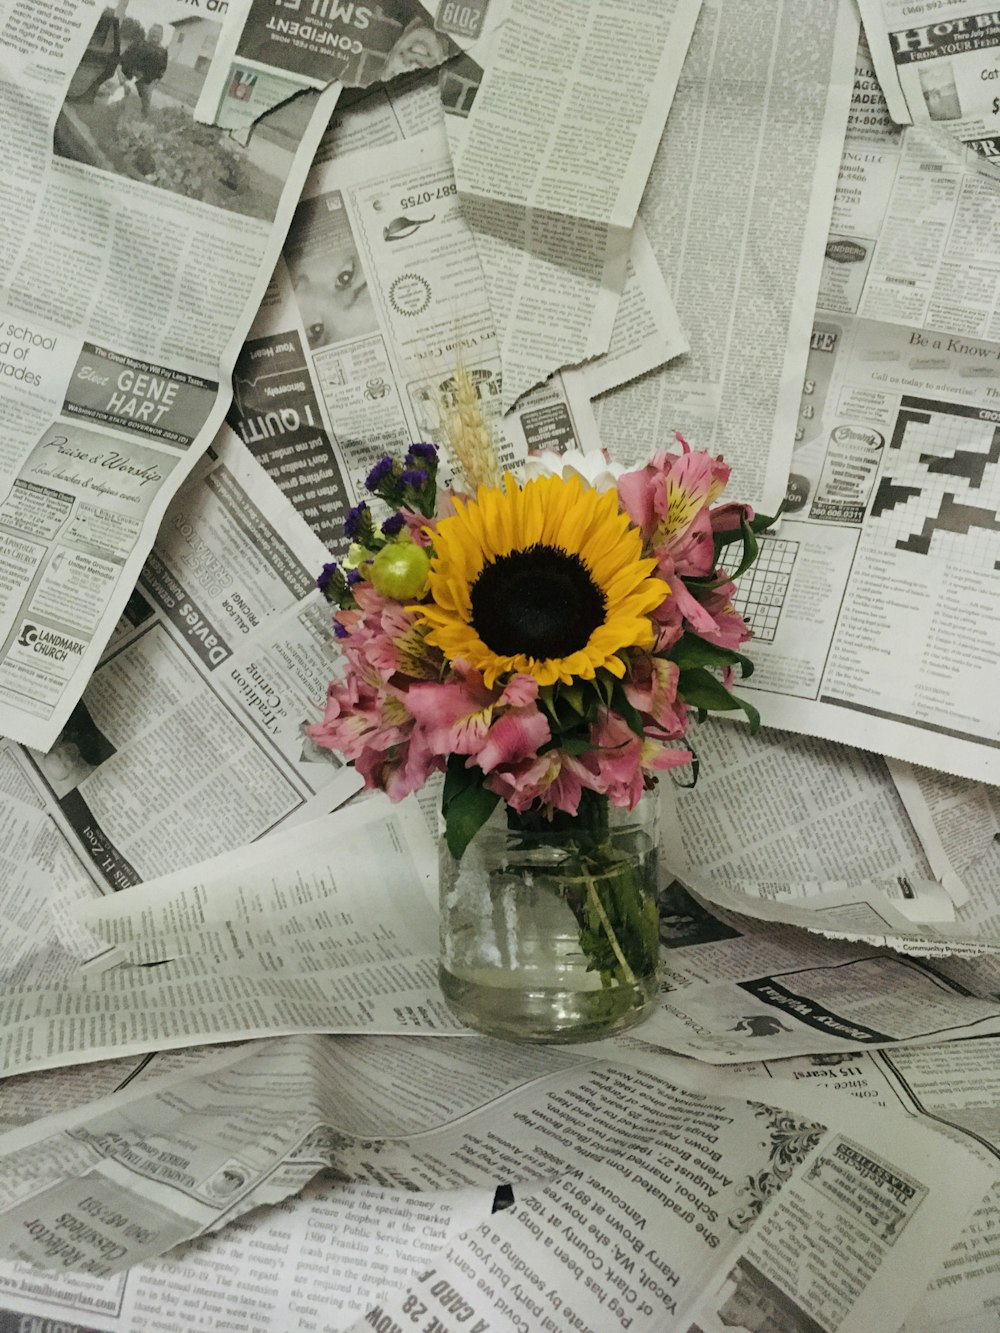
544,643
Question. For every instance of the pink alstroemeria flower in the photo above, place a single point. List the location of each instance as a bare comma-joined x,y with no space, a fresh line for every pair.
490,726
664,498
552,781
652,691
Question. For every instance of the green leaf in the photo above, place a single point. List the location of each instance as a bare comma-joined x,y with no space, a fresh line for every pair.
570,714
465,804
465,816
703,691
576,744
573,694
747,533
751,549
695,767
761,522
604,683
693,651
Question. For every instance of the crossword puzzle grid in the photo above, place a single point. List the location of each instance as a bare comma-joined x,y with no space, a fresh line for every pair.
930,462
762,589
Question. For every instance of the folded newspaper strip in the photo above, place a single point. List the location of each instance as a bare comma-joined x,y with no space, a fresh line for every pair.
958,822
743,271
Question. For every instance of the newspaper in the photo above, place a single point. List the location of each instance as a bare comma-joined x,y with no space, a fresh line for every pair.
327,927
336,932
379,297
551,164
744,1193
333,1249
743,272
805,831
953,1086
267,53
739,988
646,331
91,1189
319,1260
40,879
958,822
137,249
937,63
188,740
891,534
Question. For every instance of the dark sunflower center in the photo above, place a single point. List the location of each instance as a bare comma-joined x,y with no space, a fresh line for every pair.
539,601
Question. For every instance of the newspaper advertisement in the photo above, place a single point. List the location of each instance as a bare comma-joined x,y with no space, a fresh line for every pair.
743,273
137,249
188,739
938,62
551,164
953,1086
891,534
269,50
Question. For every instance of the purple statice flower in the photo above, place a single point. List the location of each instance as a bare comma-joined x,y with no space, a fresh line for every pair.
354,577
327,574
339,631
415,478
422,452
378,474
358,523
393,525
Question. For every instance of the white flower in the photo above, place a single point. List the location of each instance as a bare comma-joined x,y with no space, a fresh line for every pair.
594,468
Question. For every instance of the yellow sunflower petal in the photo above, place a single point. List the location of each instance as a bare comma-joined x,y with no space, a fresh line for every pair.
578,568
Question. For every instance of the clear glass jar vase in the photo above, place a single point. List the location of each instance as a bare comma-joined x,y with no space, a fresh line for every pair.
550,931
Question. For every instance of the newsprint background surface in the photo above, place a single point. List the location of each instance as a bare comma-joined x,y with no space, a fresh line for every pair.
246,244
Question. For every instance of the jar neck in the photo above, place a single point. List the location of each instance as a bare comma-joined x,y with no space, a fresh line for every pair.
591,821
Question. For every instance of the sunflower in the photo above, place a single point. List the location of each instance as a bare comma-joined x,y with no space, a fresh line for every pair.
548,580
